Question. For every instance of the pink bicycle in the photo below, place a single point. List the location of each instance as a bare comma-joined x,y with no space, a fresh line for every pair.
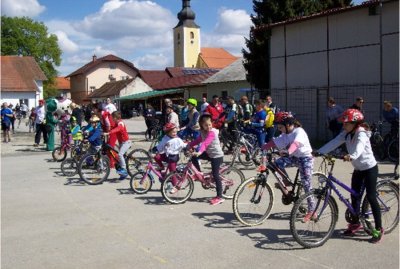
142,181
182,190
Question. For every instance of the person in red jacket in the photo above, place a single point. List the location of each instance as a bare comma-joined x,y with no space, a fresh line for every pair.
216,110
123,140
107,123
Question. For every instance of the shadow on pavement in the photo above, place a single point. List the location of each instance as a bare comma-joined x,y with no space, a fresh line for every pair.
218,219
152,200
74,182
125,191
279,216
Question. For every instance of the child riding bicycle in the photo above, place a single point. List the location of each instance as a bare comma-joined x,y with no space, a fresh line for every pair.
123,141
356,136
192,127
295,150
94,134
168,149
75,131
210,149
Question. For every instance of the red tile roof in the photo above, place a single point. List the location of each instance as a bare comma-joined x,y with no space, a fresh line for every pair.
19,74
111,88
152,77
62,83
182,81
322,14
109,58
216,57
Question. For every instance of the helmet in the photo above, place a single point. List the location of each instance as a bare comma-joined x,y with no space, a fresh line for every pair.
73,119
192,101
352,115
284,118
94,118
169,126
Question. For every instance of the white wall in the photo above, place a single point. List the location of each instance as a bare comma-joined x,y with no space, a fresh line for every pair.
136,86
307,70
277,42
13,98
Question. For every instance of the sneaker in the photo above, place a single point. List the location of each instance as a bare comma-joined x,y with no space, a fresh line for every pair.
217,200
173,190
377,236
35,145
123,174
262,168
310,216
352,229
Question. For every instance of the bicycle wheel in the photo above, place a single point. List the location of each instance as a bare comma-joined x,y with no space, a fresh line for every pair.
93,170
231,178
59,154
136,160
317,231
388,199
69,167
393,151
177,193
140,182
253,201
244,156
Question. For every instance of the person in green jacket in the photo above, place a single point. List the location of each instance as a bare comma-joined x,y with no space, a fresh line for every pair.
51,121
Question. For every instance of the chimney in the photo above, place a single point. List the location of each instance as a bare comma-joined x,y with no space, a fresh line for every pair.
94,57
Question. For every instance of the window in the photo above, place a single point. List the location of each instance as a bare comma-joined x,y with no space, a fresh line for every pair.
112,66
92,88
191,35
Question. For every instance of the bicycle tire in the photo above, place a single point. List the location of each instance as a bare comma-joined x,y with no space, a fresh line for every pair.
388,193
69,167
307,236
139,184
245,158
88,165
136,160
58,154
393,151
185,186
230,182
249,213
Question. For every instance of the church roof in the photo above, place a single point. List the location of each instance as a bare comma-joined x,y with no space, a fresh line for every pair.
20,73
189,77
216,57
233,72
186,16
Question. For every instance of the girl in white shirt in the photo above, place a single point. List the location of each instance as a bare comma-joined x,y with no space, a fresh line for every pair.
295,150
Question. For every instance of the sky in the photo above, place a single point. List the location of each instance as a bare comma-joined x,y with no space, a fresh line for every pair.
136,30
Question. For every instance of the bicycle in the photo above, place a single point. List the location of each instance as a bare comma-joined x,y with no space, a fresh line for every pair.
69,167
60,153
319,229
393,150
94,168
230,177
142,181
246,150
254,198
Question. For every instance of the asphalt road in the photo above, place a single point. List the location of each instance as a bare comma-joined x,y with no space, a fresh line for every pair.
50,221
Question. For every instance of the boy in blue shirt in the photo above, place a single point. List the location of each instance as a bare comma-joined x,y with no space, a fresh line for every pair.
257,123
6,118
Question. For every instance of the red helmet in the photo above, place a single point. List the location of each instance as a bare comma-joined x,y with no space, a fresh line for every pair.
168,127
352,115
284,117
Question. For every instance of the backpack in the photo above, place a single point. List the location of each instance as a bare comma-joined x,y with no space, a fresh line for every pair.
270,122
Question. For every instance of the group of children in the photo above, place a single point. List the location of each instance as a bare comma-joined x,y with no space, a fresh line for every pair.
293,144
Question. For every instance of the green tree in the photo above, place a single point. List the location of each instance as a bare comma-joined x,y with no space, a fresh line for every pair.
23,36
256,56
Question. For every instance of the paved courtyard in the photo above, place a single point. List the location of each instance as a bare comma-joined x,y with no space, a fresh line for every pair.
51,221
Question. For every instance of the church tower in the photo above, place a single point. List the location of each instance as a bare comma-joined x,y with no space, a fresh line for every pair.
186,38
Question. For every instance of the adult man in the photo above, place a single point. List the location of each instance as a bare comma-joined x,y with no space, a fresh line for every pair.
391,115
272,105
110,107
40,123
6,115
204,105
358,104
24,109
247,108
333,113
77,113
215,109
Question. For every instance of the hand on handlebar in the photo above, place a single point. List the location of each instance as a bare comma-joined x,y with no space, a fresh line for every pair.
346,158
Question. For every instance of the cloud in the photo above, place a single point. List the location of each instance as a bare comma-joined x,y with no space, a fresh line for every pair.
229,32
66,44
118,19
153,61
19,8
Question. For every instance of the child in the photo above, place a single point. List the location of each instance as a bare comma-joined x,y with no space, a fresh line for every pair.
75,131
295,140
192,127
258,122
94,136
356,136
210,149
168,150
123,141
31,122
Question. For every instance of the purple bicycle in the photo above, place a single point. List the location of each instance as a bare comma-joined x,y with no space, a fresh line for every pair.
318,230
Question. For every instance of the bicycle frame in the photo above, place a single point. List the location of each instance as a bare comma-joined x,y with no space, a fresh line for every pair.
150,168
205,178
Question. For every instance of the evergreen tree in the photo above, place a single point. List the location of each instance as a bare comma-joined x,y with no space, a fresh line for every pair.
256,56
23,36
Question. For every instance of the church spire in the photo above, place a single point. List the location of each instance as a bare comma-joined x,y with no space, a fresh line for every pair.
186,16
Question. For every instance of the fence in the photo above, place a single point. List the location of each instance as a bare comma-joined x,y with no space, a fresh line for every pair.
309,104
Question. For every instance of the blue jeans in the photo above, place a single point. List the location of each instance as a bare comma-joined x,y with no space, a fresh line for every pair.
259,133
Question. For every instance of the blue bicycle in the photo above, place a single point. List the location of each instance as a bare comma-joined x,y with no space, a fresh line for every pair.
318,230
